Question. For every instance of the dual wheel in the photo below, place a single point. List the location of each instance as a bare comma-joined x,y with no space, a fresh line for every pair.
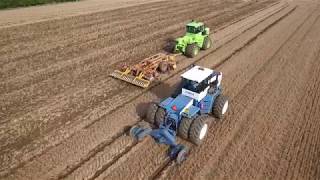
192,129
155,115
195,129
192,50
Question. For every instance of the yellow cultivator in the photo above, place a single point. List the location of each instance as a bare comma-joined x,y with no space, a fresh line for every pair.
143,73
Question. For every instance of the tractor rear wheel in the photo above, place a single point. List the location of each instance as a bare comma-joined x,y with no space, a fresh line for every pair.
184,127
206,43
220,106
163,67
151,113
198,130
160,115
192,50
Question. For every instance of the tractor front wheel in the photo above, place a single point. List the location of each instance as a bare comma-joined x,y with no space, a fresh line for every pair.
198,130
206,43
160,115
220,106
192,50
151,113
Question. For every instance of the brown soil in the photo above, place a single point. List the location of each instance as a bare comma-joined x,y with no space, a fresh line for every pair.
62,116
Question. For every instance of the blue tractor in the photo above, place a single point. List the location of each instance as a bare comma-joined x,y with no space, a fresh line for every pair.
186,112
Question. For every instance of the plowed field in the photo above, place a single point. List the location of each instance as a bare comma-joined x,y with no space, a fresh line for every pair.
63,117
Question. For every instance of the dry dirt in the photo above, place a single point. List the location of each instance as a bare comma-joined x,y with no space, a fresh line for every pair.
63,117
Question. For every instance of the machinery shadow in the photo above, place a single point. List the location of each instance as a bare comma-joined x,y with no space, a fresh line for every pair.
169,45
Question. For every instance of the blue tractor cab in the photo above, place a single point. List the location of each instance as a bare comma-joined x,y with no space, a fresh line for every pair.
186,112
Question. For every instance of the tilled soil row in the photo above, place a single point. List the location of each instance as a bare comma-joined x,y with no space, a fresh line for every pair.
35,125
34,31
301,144
91,41
123,123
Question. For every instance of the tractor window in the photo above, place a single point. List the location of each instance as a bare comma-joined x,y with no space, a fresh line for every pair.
201,28
191,29
194,86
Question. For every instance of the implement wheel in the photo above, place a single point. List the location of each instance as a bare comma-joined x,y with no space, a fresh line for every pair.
163,67
182,155
192,50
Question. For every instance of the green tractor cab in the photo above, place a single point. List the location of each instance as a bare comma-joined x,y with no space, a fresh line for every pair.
196,38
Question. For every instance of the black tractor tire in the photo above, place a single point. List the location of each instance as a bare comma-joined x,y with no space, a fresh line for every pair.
182,155
163,67
207,43
184,128
192,50
172,47
198,130
160,115
220,106
151,113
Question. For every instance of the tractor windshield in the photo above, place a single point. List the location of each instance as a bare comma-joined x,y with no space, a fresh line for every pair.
193,85
192,29
195,30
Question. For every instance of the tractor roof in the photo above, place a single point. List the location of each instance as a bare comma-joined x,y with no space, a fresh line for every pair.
195,24
197,74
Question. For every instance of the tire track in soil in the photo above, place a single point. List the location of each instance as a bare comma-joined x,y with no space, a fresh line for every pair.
241,105
91,168
133,170
122,169
59,115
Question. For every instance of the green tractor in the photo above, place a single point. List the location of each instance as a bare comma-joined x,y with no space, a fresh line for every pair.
196,38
